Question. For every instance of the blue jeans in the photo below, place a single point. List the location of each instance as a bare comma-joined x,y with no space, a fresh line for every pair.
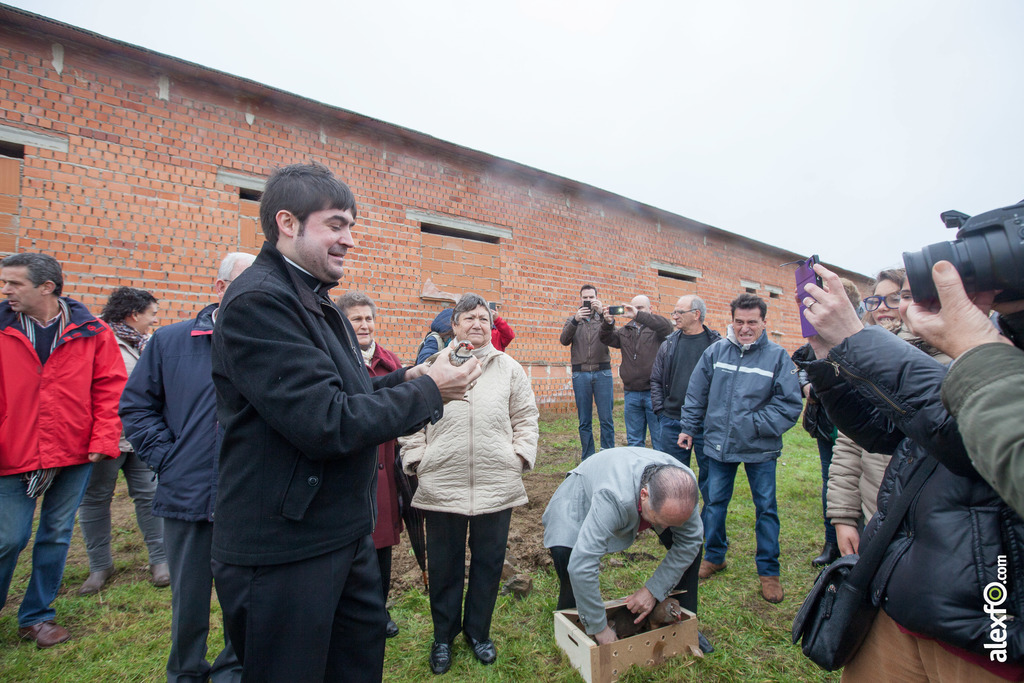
639,417
761,477
825,454
53,537
669,444
590,388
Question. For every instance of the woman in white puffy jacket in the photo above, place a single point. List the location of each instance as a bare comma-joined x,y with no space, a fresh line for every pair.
469,465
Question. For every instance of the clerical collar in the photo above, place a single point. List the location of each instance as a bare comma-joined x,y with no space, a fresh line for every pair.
313,281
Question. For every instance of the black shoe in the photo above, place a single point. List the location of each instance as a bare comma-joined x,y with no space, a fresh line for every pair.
705,645
440,657
391,630
483,649
829,554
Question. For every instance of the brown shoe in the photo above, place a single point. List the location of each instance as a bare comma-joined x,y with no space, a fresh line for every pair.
707,569
771,589
161,575
46,633
96,581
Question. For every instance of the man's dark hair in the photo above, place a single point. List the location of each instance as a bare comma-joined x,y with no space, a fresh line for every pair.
748,300
124,301
669,482
351,299
588,287
302,189
41,267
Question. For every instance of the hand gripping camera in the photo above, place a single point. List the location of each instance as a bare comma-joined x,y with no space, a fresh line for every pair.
988,252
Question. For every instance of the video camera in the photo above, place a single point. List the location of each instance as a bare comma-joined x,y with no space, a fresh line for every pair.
988,252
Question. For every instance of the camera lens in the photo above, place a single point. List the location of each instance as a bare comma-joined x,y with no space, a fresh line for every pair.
988,254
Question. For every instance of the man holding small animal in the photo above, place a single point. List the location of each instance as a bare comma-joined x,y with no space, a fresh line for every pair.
600,508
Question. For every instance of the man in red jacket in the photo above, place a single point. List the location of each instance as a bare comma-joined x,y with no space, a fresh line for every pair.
61,376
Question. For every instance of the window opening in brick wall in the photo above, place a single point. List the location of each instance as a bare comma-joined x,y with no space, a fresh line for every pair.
677,276
11,155
446,231
250,234
12,150
671,286
457,262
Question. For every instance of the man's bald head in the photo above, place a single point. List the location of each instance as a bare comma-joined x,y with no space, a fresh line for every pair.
641,303
671,492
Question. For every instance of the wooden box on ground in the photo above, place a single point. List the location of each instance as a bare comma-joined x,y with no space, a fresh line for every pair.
605,663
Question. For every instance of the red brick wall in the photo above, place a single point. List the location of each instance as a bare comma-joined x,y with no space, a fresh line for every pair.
135,201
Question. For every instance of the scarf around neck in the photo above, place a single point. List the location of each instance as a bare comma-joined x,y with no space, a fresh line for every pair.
129,335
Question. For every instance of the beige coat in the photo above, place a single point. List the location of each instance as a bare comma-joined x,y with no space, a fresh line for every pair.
853,480
471,461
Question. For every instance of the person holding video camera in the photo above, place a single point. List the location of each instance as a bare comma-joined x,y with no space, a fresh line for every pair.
944,578
591,370
982,389
639,340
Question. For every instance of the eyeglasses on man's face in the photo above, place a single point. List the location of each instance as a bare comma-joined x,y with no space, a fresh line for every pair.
872,303
681,312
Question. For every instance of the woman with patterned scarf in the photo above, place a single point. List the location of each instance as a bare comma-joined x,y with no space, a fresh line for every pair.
130,313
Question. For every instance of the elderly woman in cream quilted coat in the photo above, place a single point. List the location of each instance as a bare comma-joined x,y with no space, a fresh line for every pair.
470,466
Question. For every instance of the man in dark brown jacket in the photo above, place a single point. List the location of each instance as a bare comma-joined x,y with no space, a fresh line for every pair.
591,370
639,340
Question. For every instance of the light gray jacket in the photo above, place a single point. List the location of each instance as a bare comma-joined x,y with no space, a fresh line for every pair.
595,511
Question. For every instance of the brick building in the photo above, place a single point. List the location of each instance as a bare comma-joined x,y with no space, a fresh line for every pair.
135,168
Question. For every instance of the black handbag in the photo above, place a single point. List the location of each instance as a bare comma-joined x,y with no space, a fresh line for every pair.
837,614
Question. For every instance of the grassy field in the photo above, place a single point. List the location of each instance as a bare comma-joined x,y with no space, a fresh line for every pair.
122,634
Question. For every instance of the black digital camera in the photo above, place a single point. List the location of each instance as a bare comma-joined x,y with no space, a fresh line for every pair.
988,252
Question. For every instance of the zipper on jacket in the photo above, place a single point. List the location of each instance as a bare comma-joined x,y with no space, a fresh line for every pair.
871,384
472,474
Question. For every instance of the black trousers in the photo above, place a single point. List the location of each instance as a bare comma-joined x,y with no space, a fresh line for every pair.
688,582
384,560
446,568
320,619
188,556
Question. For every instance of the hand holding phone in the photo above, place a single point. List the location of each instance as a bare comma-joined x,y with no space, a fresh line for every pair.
616,310
804,274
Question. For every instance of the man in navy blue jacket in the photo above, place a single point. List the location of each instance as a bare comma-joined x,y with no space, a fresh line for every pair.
169,413
745,393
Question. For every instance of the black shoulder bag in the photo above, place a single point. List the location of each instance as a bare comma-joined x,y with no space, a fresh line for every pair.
837,614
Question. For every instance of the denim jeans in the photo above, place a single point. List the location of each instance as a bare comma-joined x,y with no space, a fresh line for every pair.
590,388
639,417
53,537
761,477
669,444
825,454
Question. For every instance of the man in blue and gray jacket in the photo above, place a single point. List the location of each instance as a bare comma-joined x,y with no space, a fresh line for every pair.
745,394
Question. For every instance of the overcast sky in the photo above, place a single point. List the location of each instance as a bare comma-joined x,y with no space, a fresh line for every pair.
835,127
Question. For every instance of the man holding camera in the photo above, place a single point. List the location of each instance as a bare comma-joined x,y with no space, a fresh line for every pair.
639,340
591,370
982,389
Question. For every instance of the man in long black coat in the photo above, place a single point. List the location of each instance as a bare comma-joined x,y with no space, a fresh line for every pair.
294,562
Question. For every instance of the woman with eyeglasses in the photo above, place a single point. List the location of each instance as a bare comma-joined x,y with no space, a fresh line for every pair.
883,306
856,474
